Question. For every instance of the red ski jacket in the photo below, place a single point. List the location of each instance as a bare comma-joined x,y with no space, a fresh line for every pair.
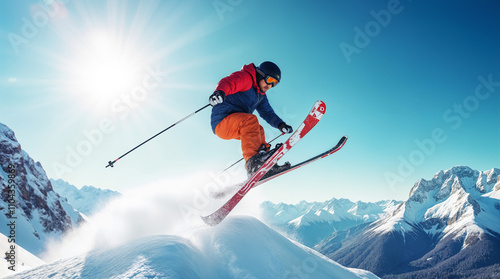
243,95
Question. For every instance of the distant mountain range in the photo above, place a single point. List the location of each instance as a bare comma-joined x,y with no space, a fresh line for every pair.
311,222
448,228
88,199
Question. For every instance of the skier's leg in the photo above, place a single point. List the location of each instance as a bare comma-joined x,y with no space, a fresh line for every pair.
252,136
245,127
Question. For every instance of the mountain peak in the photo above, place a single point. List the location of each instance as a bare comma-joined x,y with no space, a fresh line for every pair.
458,179
462,171
8,142
452,201
7,132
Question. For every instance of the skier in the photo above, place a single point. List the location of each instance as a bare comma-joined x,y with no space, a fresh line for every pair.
233,102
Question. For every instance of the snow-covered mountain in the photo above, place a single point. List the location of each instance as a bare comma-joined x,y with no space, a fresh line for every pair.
87,200
455,202
28,199
240,247
450,225
311,222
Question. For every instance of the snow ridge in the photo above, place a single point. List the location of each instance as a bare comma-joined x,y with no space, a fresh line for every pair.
240,247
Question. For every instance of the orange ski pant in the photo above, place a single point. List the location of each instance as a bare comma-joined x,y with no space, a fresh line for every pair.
244,127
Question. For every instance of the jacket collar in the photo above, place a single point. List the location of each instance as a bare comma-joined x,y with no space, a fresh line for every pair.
250,68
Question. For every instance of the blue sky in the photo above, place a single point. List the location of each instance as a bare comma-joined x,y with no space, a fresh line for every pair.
414,84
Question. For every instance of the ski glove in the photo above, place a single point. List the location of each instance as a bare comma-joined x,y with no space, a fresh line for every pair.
285,128
217,97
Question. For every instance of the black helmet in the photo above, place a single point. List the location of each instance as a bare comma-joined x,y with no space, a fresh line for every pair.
268,68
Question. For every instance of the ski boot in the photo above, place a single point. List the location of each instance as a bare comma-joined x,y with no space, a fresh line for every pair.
256,161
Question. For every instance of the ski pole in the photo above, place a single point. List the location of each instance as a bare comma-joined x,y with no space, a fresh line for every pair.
243,158
110,163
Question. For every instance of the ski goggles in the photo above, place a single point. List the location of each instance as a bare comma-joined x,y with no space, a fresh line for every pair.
271,81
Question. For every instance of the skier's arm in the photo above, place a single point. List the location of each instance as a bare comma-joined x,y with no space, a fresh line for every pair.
267,113
235,82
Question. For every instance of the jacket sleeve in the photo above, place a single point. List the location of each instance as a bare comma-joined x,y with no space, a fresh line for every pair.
235,82
267,113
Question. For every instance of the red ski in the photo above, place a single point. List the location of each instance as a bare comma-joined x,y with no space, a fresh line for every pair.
224,192
329,152
311,120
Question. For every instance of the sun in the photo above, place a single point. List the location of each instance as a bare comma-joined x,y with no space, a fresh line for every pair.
102,69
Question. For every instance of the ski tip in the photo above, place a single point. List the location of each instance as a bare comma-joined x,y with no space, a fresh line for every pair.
320,105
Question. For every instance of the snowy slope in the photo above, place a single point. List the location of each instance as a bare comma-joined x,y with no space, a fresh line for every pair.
87,200
24,260
240,247
40,213
310,222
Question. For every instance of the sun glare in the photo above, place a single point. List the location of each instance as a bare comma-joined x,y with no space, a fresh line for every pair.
103,69
126,55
